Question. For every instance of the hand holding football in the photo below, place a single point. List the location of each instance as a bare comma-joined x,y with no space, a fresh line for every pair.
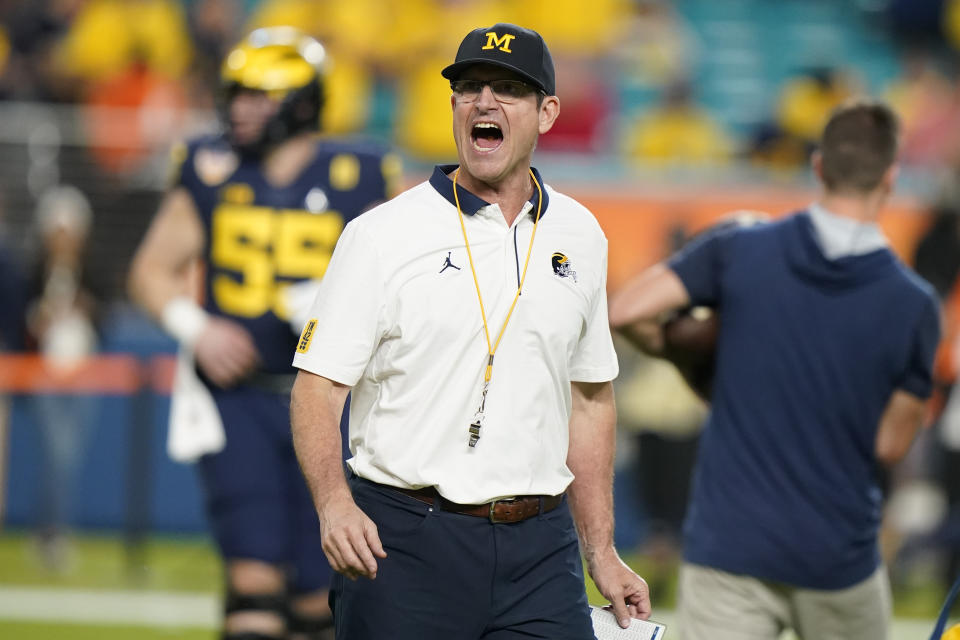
689,342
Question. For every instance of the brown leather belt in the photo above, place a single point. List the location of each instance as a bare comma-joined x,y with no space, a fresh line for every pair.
505,510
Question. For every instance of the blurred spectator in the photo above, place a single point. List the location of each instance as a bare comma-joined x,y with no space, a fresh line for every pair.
803,106
214,26
107,37
806,101
587,105
658,48
132,115
12,294
33,30
772,149
61,322
678,132
576,27
301,14
349,95
929,104
937,259
384,36
916,21
951,23
423,105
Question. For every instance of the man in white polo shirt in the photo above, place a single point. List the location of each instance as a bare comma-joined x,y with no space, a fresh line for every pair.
469,317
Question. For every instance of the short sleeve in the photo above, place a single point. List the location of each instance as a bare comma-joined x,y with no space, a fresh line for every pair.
177,162
917,379
343,326
594,359
699,265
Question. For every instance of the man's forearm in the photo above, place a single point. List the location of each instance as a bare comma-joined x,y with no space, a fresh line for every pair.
590,458
645,335
637,310
316,406
165,264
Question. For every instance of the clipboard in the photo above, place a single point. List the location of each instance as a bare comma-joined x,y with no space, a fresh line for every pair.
605,627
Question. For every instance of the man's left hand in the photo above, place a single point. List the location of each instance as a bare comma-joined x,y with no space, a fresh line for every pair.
627,592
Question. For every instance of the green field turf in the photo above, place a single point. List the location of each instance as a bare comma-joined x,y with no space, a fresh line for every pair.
189,565
28,631
101,562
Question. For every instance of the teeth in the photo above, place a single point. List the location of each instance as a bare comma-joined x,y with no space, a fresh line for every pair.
486,125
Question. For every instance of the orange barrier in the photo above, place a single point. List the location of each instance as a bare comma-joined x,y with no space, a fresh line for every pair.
108,374
639,225
161,369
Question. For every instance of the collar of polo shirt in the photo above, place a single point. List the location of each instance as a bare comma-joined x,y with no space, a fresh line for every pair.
469,203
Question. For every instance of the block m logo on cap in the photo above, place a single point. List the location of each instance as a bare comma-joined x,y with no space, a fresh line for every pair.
499,42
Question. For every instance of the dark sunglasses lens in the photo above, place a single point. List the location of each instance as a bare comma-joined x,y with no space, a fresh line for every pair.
467,88
511,89
502,89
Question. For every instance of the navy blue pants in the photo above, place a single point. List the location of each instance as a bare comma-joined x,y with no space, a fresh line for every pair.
257,501
457,577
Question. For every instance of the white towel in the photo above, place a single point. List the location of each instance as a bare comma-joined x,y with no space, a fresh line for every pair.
195,427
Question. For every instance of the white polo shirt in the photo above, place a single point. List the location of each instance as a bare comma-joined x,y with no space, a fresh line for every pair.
397,318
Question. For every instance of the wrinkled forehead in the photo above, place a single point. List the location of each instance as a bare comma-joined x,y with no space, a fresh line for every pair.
484,71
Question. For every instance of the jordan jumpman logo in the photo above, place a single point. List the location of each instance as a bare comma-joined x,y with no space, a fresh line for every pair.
447,264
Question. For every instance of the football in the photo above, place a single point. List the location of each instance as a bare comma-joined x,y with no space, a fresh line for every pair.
690,340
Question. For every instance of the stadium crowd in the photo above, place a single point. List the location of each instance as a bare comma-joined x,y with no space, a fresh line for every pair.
629,71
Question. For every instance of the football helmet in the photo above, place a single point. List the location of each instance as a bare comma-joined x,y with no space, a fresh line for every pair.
288,66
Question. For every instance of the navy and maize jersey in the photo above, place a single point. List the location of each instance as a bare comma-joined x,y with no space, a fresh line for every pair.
261,238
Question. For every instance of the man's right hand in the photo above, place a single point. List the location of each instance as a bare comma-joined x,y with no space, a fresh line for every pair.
350,539
225,352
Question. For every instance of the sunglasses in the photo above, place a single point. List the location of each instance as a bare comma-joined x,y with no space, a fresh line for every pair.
503,90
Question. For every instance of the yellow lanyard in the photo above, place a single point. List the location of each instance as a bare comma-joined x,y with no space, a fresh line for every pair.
491,350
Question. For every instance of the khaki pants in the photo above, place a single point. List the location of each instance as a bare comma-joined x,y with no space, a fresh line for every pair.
716,605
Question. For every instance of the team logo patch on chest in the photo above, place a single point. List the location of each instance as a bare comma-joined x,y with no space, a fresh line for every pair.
562,266
214,166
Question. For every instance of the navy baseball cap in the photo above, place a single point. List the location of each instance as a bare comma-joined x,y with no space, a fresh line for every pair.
505,45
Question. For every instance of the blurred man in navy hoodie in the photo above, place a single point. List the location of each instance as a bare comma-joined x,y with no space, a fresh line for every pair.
823,365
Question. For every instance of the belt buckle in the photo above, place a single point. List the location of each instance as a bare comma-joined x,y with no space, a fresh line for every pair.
493,505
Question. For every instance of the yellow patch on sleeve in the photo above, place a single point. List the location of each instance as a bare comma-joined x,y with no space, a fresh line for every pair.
306,336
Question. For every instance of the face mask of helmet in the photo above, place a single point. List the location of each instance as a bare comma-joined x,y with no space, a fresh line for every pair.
286,65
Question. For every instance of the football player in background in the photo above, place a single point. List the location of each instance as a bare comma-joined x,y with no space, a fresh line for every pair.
823,363
260,207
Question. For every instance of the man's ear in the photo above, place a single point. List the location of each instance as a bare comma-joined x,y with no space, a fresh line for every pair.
816,162
889,179
549,111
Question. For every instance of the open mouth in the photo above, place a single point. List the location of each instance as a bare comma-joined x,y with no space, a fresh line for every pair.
486,136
